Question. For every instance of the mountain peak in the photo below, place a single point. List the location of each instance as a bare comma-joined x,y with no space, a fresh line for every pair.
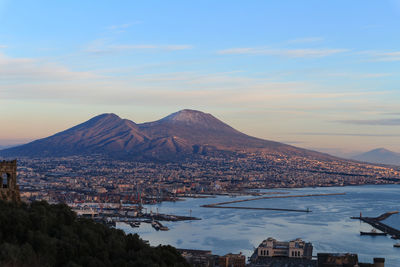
189,116
102,119
380,155
106,116
380,150
195,119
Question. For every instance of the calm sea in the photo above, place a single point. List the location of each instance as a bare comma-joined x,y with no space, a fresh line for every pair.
328,227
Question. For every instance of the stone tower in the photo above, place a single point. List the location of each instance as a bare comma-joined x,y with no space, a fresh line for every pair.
9,189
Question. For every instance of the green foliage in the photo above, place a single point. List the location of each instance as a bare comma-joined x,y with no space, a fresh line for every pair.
41,234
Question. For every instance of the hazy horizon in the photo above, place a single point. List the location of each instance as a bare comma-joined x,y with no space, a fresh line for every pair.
321,75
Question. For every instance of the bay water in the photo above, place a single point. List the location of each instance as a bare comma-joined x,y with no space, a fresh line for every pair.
328,226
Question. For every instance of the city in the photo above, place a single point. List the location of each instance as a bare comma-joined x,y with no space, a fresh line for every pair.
98,179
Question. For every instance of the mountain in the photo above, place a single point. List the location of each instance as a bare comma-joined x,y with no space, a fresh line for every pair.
6,146
204,131
181,134
379,155
106,133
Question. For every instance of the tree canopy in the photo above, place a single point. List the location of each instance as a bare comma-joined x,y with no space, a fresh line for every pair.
40,234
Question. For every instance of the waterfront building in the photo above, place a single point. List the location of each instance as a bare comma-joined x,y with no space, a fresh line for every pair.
293,249
322,260
205,258
199,258
345,259
232,260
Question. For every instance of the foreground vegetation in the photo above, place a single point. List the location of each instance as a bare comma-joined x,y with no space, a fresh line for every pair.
40,234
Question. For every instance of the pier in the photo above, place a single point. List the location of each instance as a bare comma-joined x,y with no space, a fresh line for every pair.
231,194
251,208
220,204
377,224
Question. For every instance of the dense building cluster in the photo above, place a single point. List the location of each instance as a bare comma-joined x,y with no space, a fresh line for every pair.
95,178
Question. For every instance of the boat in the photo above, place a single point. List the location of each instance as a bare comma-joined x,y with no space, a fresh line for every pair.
110,223
135,224
373,232
155,225
158,226
397,245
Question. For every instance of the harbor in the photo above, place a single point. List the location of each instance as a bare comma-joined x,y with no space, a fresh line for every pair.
239,230
132,215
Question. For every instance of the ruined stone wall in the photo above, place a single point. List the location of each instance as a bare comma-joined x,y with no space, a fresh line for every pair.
9,189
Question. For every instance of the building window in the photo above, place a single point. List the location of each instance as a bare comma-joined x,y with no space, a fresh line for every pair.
4,180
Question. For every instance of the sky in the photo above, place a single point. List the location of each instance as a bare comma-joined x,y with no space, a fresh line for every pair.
322,75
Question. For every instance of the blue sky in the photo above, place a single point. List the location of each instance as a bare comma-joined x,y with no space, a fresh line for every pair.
317,74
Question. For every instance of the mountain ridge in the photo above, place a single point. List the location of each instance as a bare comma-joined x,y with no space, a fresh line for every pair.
379,156
181,134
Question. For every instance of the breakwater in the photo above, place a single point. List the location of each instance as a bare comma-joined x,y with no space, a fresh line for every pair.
269,197
376,223
220,205
251,208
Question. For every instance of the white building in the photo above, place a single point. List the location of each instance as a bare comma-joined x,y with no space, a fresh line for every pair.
293,249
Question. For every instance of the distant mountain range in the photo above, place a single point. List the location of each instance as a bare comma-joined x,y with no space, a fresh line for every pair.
6,146
179,135
379,155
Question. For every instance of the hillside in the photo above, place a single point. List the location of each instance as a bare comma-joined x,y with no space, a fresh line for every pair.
40,234
106,133
180,135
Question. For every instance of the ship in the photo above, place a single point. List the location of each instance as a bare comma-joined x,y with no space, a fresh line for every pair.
373,232
397,245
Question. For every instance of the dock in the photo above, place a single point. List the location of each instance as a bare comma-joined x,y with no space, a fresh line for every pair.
220,205
377,224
